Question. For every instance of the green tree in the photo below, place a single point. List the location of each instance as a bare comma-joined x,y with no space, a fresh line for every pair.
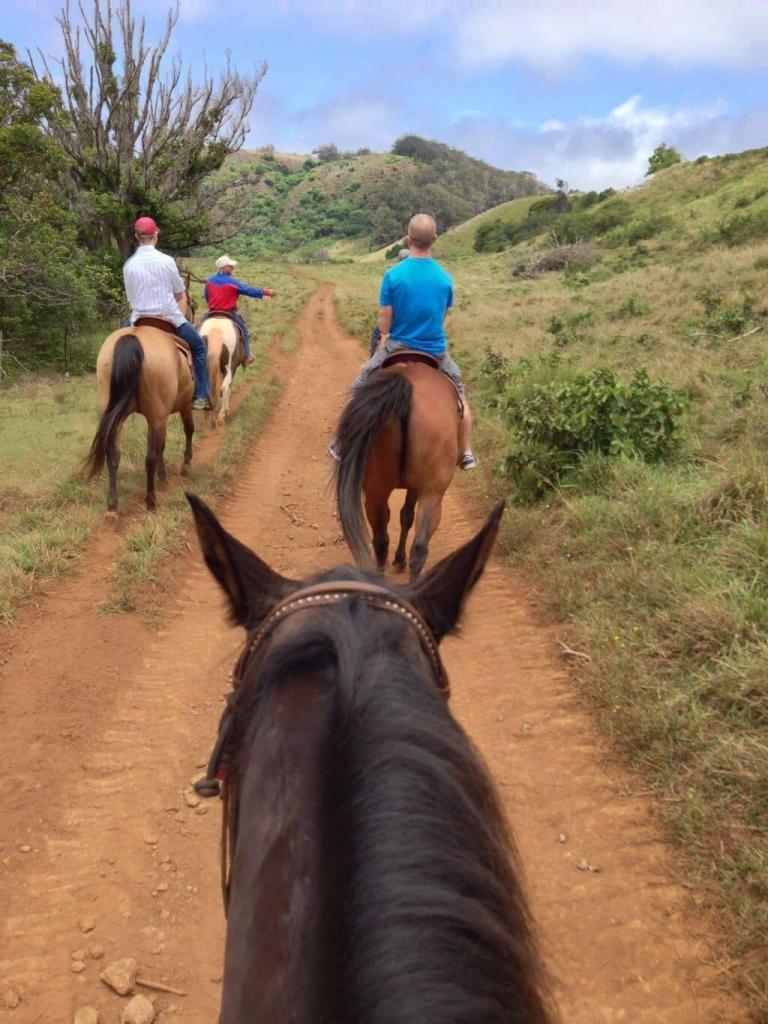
663,156
47,282
141,134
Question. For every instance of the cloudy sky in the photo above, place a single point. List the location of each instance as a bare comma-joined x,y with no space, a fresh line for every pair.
582,90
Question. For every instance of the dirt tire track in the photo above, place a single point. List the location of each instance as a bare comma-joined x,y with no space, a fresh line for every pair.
106,723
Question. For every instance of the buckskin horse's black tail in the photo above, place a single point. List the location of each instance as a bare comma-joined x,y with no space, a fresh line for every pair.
382,397
127,360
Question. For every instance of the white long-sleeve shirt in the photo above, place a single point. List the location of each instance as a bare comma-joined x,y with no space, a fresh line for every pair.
151,279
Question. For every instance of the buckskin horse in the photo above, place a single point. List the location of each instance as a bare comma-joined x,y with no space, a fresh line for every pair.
225,354
400,429
372,879
143,369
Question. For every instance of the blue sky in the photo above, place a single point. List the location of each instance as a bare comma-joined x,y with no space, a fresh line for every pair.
579,90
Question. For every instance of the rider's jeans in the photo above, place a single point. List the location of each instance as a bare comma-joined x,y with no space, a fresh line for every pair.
447,364
199,357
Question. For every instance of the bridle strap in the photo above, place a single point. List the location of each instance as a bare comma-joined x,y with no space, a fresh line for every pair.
319,595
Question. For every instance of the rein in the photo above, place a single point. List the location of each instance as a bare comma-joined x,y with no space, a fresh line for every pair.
318,595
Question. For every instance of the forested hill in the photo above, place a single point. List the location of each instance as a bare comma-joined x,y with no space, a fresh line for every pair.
310,203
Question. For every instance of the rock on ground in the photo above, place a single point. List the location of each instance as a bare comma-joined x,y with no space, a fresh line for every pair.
138,1010
120,975
87,1015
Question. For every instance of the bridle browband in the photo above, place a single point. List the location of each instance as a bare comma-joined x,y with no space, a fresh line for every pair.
317,595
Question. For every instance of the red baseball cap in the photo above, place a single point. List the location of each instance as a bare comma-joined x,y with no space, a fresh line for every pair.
145,226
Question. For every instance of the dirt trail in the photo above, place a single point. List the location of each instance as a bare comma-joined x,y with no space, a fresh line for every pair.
105,723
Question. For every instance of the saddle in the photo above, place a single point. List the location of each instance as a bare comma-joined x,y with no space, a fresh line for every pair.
167,328
410,355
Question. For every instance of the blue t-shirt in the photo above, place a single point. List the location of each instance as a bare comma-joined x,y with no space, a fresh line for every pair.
420,294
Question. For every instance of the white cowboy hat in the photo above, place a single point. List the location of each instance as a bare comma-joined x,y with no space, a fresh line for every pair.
225,261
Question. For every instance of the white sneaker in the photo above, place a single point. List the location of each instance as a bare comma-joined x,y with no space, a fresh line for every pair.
333,450
468,460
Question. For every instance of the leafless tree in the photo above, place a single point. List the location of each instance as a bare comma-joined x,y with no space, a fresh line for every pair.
142,134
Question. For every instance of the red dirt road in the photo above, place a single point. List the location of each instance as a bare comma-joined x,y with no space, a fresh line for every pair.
105,722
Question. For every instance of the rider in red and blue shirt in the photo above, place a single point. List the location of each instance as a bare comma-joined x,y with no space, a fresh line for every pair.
222,292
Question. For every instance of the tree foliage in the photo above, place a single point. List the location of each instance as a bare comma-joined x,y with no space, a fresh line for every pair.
663,156
47,283
141,135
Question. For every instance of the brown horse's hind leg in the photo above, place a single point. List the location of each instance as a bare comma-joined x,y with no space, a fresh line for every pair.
189,429
428,513
377,511
406,522
155,448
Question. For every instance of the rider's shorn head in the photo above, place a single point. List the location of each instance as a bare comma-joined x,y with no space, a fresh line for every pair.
422,231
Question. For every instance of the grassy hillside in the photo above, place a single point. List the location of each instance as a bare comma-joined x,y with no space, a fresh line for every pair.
622,409
361,200
460,240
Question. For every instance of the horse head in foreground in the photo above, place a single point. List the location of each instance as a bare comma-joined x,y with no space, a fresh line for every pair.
372,876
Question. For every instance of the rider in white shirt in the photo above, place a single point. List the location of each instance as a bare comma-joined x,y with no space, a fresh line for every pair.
154,288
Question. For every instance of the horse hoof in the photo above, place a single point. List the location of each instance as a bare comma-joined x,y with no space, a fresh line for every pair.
111,515
184,469
151,503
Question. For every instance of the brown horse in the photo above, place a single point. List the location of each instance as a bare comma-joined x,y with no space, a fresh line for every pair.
225,354
400,429
373,879
140,369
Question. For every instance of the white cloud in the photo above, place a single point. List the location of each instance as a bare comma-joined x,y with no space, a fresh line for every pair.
611,150
552,33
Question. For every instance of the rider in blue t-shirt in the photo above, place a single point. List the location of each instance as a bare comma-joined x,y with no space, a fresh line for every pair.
414,298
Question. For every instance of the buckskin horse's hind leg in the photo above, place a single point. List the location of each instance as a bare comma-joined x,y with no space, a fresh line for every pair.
406,522
155,448
189,428
377,511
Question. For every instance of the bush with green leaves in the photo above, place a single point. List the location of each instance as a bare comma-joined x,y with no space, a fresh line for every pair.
742,228
556,420
663,156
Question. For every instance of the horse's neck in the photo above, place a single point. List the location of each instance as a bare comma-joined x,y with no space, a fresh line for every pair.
281,935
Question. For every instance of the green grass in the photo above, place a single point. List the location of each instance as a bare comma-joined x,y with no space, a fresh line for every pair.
46,426
657,572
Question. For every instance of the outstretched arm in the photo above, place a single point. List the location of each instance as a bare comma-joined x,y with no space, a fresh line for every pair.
253,293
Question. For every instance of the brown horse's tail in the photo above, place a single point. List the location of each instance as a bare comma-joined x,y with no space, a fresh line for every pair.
127,360
383,397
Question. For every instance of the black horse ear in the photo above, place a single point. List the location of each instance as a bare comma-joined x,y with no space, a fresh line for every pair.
439,594
251,586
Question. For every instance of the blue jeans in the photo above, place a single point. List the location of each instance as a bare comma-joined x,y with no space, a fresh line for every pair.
447,365
246,336
199,355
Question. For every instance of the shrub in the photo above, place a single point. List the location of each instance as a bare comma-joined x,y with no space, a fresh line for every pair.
633,307
663,156
555,425
723,318
744,227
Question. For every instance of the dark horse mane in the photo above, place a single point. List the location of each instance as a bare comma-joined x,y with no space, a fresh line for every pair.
433,926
